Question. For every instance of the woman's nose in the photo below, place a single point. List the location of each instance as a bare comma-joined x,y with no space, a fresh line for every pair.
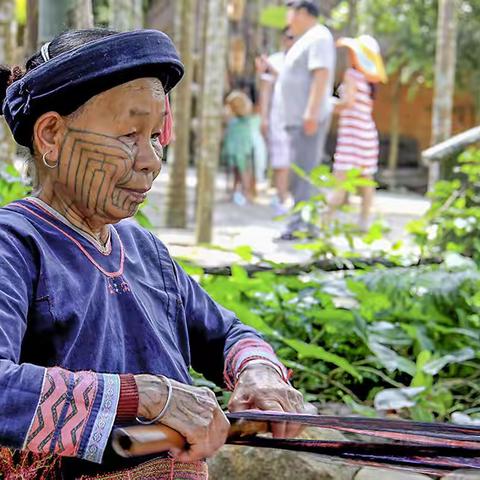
149,157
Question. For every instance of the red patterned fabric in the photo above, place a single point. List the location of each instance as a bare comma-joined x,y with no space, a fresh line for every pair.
66,400
128,401
16,465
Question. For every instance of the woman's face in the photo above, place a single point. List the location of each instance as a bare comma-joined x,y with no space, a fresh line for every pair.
111,151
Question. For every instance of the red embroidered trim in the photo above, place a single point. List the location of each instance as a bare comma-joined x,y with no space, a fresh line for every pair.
54,429
118,273
128,402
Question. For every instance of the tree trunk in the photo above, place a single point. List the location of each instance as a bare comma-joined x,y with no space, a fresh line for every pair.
394,132
352,23
56,17
211,114
52,17
126,14
198,84
8,31
177,188
137,14
364,19
444,88
31,29
161,15
80,14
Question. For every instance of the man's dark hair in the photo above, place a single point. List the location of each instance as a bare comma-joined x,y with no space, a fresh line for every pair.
309,5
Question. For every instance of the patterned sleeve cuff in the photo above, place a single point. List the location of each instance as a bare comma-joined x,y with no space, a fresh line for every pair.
128,401
248,350
75,414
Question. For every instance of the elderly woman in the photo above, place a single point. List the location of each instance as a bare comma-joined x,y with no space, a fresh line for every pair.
98,325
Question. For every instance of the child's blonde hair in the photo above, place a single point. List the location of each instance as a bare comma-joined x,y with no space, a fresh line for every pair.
239,103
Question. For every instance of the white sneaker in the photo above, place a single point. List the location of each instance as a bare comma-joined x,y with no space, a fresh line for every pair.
239,199
281,209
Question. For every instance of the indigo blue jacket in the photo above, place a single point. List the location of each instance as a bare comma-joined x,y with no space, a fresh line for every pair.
73,318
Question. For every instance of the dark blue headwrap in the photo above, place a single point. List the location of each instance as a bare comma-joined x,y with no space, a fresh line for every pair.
67,81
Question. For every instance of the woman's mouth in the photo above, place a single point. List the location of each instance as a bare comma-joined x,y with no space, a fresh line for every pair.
137,195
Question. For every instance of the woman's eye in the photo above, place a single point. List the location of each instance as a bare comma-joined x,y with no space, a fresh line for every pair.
155,137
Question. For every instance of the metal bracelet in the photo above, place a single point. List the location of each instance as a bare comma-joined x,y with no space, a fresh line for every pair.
165,407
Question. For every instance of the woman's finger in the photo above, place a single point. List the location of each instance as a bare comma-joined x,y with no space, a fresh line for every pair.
288,400
219,430
207,445
193,454
278,428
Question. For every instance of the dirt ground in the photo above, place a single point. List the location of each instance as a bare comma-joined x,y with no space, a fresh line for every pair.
255,225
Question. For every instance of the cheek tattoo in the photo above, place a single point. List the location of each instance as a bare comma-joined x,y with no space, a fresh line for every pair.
95,167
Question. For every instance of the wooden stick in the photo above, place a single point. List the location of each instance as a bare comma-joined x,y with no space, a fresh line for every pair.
436,447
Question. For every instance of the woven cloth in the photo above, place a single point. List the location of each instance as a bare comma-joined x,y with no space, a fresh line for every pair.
161,469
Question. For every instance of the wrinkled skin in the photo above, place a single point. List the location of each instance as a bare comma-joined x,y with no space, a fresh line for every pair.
261,388
195,413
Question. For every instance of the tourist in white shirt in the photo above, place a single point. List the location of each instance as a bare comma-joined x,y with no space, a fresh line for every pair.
307,84
273,120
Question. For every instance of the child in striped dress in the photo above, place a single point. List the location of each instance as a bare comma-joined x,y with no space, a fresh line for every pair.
357,142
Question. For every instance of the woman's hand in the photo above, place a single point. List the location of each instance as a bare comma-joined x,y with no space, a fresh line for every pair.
193,412
261,387
310,125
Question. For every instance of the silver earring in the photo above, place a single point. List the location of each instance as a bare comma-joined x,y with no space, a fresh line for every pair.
45,161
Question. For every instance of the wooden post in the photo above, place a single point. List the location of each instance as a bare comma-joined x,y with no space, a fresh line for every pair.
8,33
31,29
215,52
182,108
444,89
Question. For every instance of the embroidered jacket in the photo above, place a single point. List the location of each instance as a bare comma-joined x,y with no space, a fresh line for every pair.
72,319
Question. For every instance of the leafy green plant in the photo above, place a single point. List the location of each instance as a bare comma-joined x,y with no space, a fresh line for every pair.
11,185
452,224
337,232
369,339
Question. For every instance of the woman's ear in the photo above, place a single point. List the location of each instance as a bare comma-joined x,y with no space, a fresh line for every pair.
48,134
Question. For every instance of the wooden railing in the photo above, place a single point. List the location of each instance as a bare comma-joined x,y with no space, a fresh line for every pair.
433,156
